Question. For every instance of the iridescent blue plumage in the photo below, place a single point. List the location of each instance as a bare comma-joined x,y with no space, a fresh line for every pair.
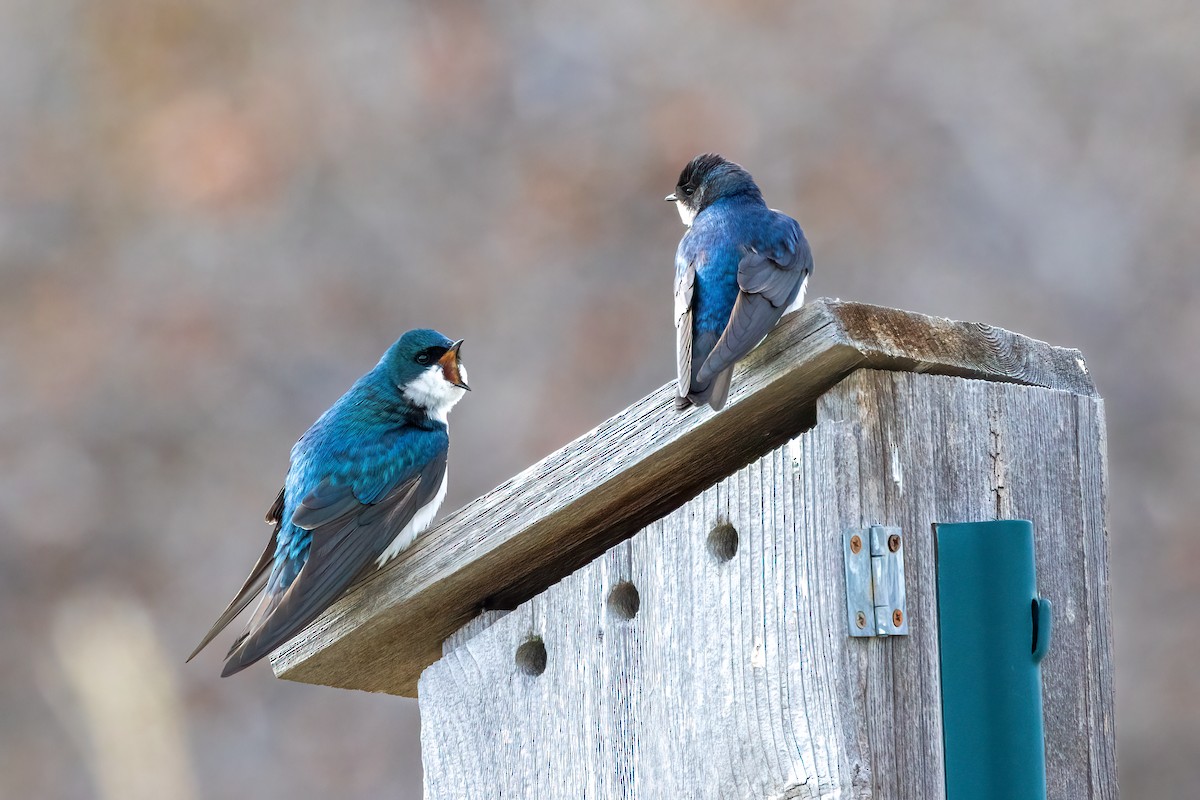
738,269
364,479
362,443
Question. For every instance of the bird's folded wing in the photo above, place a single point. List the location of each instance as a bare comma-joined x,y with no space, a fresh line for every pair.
342,545
769,277
324,504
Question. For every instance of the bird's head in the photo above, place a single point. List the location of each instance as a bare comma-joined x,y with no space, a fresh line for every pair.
705,180
425,366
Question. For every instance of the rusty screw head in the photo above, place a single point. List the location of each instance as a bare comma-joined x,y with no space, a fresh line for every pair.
897,618
893,543
860,619
855,546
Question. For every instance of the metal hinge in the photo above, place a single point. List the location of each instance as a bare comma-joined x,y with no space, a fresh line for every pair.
875,581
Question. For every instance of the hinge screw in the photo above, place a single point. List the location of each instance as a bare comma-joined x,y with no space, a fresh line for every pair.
893,543
860,619
855,546
897,618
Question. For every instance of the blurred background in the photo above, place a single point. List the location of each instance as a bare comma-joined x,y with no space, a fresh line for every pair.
215,215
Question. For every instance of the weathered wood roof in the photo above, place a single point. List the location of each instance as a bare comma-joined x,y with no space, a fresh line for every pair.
560,513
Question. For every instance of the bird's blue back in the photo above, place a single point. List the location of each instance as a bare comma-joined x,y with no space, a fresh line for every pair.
367,440
716,243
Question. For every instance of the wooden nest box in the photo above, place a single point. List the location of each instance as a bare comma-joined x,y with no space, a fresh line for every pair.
680,624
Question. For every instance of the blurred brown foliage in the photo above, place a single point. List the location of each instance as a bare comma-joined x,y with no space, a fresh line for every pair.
215,215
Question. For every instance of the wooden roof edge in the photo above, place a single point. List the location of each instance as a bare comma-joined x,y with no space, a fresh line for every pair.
545,522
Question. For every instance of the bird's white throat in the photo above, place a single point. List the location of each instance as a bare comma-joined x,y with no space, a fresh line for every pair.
685,213
432,392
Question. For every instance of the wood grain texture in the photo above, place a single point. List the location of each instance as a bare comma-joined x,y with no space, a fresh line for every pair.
728,682
556,516
737,678
936,449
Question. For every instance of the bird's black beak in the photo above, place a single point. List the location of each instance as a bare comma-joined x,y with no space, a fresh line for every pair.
452,366
671,198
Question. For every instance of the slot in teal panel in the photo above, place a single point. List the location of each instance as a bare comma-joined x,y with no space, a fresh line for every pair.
994,630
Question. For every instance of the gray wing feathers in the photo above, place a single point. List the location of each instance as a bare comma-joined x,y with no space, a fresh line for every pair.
684,287
324,504
699,390
760,274
752,319
342,546
718,390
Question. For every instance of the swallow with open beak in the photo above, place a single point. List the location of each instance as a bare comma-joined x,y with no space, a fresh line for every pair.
364,481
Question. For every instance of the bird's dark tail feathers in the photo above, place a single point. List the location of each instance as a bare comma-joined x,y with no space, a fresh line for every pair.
250,589
715,393
718,390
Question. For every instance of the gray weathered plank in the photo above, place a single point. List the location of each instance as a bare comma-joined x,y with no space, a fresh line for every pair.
633,468
993,451
737,679
473,627
726,683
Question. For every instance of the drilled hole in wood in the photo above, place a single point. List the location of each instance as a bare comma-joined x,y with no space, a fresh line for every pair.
624,601
531,657
723,542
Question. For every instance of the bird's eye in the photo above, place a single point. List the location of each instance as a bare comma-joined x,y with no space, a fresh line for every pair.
688,191
423,358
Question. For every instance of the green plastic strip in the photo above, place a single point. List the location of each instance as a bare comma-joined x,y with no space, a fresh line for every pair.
994,631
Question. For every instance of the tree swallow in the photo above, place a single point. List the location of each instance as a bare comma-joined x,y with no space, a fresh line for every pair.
364,480
739,268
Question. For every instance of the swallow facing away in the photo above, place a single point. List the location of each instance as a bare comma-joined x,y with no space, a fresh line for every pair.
365,479
739,268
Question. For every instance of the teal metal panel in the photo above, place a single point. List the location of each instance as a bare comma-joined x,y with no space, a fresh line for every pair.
994,630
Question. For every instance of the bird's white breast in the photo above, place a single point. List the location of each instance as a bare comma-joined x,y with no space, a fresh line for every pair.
416,526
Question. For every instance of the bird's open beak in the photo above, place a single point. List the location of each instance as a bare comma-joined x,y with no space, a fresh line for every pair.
452,366
671,198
